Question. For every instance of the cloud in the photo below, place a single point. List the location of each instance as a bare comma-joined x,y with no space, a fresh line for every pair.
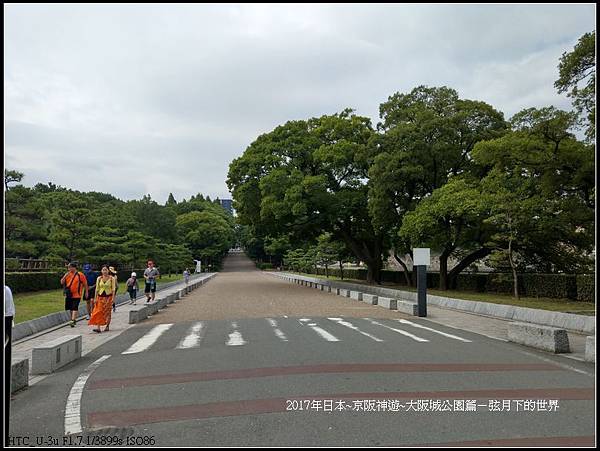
161,98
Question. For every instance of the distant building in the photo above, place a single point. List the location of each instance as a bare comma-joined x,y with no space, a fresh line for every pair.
227,204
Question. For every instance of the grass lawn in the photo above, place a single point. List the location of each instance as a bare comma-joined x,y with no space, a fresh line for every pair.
553,304
41,303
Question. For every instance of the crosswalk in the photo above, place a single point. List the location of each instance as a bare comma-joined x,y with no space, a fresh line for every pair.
322,328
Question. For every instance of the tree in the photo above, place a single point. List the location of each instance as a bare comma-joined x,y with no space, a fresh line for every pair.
449,221
207,235
575,68
71,223
550,175
171,200
276,247
307,177
11,177
426,137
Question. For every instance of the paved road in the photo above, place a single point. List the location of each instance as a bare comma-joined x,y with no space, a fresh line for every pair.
250,359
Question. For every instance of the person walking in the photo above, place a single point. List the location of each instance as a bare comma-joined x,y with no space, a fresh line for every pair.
9,315
114,274
186,276
105,293
150,275
90,276
75,284
132,287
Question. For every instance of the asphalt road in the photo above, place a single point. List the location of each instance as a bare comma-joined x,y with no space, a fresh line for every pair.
251,360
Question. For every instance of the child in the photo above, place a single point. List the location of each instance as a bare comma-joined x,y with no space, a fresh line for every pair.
132,287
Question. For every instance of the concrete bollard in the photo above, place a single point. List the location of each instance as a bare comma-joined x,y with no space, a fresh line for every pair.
356,295
370,299
590,349
19,375
50,356
138,314
407,307
388,303
540,337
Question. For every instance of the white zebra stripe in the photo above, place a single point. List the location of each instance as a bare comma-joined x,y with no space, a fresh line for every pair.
149,339
235,338
277,331
409,335
341,322
454,337
192,339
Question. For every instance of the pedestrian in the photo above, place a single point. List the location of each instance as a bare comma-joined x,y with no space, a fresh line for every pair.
9,315
186,276
150,275
105,293
113,273
132,287
91,277
75,287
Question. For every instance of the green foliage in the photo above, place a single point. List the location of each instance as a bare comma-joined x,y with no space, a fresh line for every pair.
52,222
20,282
576,68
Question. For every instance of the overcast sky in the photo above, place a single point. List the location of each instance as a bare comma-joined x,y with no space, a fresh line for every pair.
152,99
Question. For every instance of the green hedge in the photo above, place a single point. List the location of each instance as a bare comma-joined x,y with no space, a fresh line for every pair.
585,287
20,282
562,286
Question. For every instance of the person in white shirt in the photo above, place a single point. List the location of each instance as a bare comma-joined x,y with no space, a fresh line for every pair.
9,314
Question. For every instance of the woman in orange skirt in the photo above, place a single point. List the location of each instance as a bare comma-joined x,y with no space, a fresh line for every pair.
103,300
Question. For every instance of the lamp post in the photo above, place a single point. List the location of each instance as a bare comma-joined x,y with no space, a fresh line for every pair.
421,259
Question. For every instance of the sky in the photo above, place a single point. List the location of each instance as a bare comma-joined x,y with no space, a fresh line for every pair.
157,99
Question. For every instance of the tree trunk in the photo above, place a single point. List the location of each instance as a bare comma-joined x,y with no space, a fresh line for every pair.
465,262
327,271
444,269
514,269
374,271
341,270
406,276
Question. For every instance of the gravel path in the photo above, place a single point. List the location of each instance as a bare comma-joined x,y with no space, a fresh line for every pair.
241,291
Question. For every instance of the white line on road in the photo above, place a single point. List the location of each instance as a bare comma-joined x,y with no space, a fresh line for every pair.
323,333
149,339
454,337
235,338
193,337
278,332
73,409
409,335
341,322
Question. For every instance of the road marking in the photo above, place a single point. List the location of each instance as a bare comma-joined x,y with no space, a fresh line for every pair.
73,409
454,337
323,333
409,335
193,337
341,322
562,365
304,320
149,339
235,338
278,332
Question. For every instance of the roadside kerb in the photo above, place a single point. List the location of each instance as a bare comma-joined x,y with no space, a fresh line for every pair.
573,322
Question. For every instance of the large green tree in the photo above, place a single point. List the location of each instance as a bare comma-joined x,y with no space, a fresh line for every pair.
426,137
306,177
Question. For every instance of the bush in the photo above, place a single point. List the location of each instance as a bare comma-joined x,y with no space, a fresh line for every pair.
585,288
263,266
20,282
